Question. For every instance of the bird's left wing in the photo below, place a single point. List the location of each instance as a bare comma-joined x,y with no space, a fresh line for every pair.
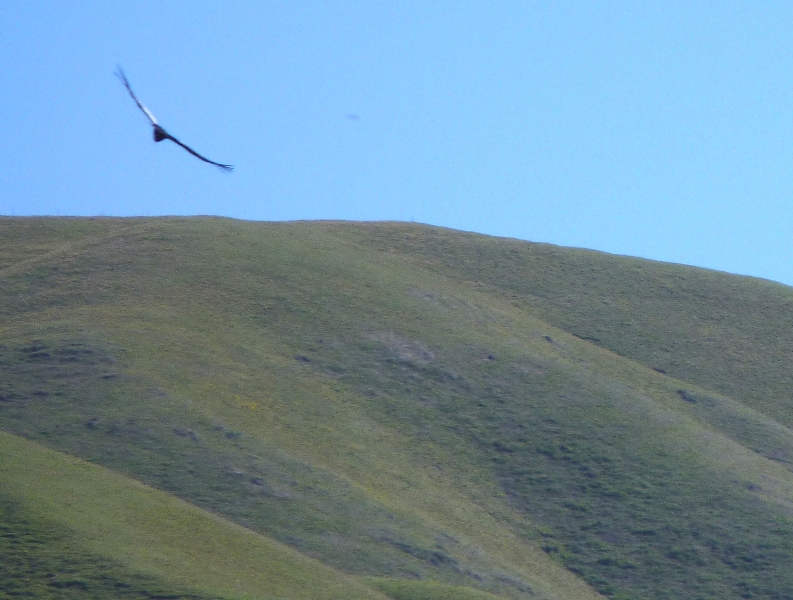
228,168
145,110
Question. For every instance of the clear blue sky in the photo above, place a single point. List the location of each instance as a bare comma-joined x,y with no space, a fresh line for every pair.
655,129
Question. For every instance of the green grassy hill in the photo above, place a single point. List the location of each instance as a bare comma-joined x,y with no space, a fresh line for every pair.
207,408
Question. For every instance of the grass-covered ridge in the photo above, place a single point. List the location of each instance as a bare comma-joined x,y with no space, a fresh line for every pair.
409,404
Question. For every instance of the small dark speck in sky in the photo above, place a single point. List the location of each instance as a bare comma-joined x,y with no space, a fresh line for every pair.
352,117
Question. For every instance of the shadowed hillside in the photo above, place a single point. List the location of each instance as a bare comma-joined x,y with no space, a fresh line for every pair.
428,413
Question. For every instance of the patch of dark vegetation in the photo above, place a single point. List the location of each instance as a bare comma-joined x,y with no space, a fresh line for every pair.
434,556
687,396
39,560
39,370
186,433
502,447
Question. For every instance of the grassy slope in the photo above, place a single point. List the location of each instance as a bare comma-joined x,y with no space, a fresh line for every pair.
730,334
181,551
405,403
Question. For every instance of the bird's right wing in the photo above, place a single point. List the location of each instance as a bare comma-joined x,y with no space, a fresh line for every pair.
145,110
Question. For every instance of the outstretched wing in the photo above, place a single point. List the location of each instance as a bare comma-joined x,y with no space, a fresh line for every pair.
145,110
228,168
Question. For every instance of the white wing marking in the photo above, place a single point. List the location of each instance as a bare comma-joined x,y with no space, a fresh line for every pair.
145,110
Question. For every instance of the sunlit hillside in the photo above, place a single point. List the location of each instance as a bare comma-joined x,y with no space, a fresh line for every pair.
208,408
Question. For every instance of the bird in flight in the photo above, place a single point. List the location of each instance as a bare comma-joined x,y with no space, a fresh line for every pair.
159,133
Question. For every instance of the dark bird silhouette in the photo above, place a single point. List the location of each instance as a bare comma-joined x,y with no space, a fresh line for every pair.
159,133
